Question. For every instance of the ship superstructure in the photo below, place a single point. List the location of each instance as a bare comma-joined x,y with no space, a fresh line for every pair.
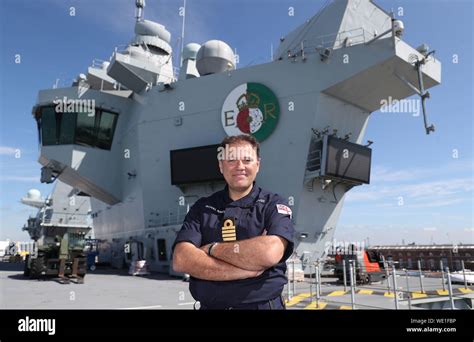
141,141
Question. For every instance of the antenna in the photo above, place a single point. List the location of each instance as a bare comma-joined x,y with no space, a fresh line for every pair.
422,93
182,35
140,4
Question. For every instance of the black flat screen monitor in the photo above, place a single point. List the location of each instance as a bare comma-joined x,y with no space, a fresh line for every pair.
195,165
346,160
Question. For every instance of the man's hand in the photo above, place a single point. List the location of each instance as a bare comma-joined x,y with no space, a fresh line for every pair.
187,258
205,248
255,254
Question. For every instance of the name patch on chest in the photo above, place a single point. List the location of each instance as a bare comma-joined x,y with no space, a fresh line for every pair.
214,209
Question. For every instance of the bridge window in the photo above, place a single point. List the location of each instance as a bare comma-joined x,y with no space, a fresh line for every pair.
106,130
85,129
95,130
66,132
48,126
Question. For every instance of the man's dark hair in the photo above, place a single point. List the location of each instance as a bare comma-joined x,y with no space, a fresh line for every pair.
242,138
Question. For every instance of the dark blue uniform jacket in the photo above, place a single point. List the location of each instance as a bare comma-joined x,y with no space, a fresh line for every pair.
208,221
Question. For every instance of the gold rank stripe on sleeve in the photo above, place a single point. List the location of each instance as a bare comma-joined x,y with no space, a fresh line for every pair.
229,235
228,230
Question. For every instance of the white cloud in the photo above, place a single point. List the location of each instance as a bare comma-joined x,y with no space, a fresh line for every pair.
421,191
448,183
7,150
19,170
440,203
438,188
396,233
383,174
4,178
430,203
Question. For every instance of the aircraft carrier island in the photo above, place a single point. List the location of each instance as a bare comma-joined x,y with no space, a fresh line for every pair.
146,151
138,136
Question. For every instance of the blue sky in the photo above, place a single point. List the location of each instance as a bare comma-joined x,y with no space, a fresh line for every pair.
435,185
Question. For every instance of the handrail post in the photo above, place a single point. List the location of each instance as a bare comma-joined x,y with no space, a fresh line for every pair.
464,274
450,289
294,281
288,286
408,290
395,293
421,276
442,274
351,275
344,274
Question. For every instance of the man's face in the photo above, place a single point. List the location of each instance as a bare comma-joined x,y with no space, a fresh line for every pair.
239,166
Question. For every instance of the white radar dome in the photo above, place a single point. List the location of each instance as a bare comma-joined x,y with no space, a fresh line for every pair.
190,51
33,194
215,56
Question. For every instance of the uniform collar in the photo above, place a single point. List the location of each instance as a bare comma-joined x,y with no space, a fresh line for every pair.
245,201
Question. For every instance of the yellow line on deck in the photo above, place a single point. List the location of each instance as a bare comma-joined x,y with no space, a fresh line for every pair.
345,307
337,293
463,290
297,299
367,292
415,295
389,294
313,306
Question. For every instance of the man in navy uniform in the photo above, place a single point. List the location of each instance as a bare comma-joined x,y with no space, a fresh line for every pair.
234,243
